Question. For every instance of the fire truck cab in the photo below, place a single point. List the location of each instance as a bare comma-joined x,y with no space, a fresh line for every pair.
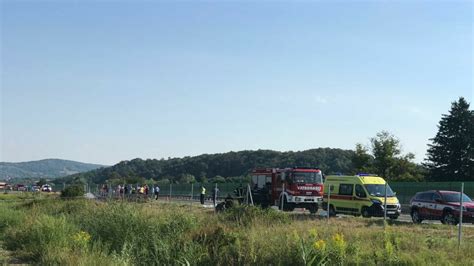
288,188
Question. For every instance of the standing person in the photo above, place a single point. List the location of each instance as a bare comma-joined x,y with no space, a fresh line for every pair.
203,193
146,191
215,193
125,191
117,191
157,192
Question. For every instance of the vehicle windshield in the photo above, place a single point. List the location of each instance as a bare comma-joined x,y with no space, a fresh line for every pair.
378,190
454,197
307,177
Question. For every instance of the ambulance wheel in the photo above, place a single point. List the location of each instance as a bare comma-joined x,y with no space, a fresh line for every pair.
365,212
324,206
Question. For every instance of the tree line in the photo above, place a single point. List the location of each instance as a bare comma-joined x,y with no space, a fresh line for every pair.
450,157
225,167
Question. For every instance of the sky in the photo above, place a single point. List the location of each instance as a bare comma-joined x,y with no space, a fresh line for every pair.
105,81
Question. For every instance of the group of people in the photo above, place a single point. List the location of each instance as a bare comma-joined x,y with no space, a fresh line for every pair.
144,191
215,195
128,190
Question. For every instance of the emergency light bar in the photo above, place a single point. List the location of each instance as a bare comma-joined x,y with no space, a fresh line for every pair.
365,174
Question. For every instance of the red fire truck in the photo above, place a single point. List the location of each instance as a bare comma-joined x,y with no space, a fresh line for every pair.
288,188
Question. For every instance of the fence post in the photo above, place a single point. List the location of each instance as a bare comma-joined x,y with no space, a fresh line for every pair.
170,192
214,198
192,192
460,215
329,201
385,206
282,196
249,195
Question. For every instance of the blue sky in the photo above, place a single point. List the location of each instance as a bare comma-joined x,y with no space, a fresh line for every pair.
104,81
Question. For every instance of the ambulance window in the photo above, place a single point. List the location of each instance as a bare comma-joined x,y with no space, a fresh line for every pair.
360,191
346,189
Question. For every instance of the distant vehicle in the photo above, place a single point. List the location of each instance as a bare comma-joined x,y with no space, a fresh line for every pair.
3,185
21,187
441,205
35,188
46,188
360,195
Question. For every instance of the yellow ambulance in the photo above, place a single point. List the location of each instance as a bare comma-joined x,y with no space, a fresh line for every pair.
361,194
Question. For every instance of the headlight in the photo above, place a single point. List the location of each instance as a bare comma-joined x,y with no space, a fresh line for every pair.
376,201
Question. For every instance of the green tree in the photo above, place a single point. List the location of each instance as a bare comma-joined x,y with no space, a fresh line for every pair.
73,191
403,169
385,159
218,179
187,179
385,149
362,160
41,182
451,154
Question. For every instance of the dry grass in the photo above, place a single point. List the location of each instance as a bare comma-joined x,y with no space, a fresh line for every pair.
78,232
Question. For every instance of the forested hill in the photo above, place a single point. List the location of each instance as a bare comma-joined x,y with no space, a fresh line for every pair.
48,168
218,166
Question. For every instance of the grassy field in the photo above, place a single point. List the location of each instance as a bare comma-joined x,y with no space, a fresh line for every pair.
82,232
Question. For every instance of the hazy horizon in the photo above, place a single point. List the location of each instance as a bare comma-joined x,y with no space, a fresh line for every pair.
101,82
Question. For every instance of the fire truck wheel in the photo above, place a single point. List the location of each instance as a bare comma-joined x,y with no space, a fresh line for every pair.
286,206
313,208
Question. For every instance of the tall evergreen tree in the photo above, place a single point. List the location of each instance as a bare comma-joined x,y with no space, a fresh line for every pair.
451,155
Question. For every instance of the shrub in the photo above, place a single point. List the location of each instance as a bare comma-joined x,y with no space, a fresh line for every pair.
40,238
9,218
73,191
127,232
244,215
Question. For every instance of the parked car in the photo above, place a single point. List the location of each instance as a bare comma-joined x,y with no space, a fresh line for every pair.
441,205
20,187
46,188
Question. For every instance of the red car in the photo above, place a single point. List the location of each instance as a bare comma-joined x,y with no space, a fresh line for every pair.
441,205
20,187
